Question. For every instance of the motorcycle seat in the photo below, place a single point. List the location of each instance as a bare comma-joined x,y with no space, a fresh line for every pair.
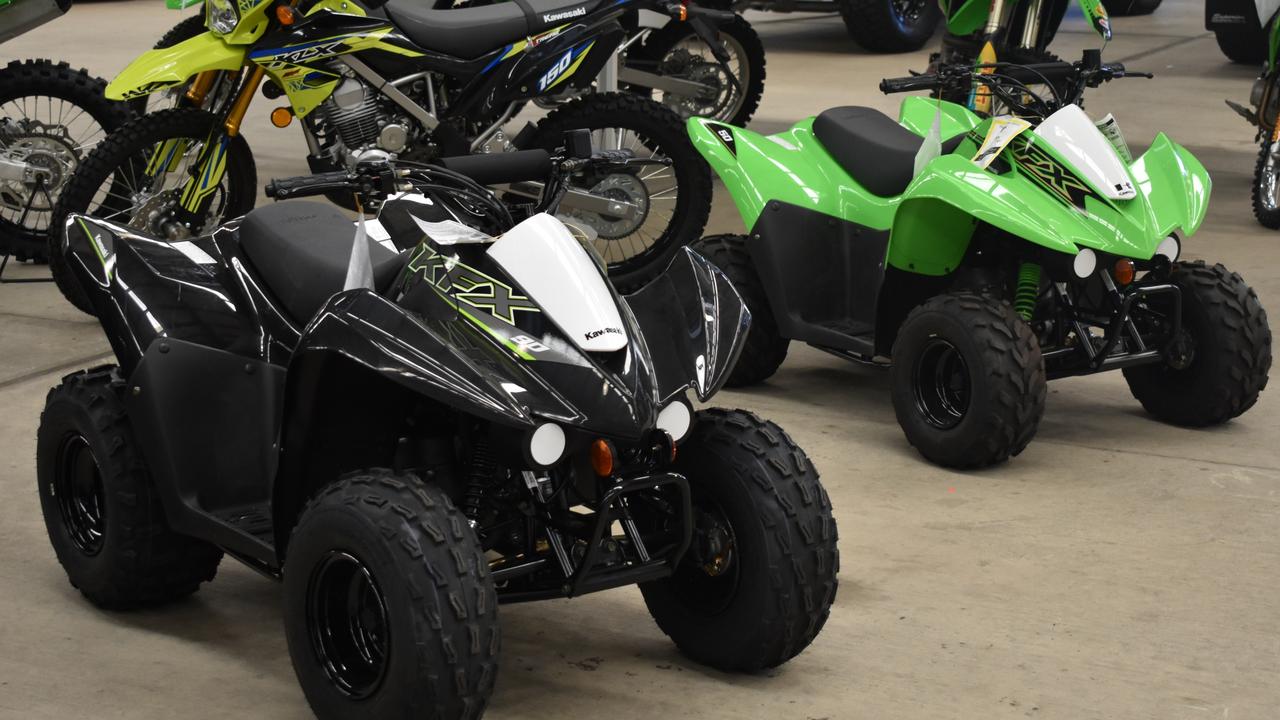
300,251
874,149
470,32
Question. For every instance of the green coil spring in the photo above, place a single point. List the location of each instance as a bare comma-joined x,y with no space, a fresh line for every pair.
1028,290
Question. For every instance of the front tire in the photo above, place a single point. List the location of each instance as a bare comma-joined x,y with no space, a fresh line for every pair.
112,184
968,380
1243,45
1218,369
102,510
390,611
677,198
890,26
765,347
758,582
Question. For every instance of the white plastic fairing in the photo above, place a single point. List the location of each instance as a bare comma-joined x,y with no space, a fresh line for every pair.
1079,142
545,260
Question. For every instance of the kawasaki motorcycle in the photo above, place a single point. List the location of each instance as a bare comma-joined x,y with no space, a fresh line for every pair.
1262,112
50,117
418,424
400,81
679,64
982,256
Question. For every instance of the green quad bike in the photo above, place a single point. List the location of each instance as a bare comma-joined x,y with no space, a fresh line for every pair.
1021,249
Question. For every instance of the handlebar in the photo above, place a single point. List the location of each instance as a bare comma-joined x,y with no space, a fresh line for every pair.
308,185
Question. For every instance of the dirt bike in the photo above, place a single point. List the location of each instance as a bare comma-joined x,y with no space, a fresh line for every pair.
50,117
982,256
411,430
399,81
1264,106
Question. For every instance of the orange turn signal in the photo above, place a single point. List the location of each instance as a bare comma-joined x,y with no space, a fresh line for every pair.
684,12
1124,272
281,117
602,457
285,14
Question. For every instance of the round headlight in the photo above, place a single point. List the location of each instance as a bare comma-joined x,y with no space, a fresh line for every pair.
546,444
676,419
1170,248
1085,263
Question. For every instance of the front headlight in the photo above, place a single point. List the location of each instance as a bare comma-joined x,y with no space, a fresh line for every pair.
222,17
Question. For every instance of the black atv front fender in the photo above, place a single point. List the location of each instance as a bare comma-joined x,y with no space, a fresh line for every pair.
694,323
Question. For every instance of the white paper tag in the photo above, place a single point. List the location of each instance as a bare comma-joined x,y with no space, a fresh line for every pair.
1110,129
1004,128
450,232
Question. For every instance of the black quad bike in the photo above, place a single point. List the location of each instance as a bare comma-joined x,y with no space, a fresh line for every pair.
463,427
51,116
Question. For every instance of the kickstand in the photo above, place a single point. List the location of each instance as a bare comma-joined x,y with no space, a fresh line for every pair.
4,263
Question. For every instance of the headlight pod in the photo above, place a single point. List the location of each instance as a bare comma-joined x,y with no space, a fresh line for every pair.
545,445
1085,264
1170,248
676,419
222,17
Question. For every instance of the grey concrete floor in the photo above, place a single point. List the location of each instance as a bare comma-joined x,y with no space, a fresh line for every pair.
1119,568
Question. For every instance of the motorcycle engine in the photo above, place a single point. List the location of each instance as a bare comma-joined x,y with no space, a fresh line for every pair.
367,125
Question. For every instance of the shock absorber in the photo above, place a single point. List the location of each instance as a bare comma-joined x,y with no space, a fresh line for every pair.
484,468
1024,301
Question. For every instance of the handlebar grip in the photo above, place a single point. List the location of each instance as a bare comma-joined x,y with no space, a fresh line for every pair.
907,84
305,185
503,167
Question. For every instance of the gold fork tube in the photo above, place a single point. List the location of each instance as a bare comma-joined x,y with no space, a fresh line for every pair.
200,87
241,105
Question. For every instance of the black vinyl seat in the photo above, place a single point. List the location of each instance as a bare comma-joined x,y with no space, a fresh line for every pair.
873,148
469,32
300,251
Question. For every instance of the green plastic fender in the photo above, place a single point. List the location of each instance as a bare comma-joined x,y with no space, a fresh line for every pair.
1176,186
790,167
159,69
965,17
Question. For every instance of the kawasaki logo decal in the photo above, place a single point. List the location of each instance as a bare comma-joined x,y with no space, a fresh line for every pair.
603,331
564,14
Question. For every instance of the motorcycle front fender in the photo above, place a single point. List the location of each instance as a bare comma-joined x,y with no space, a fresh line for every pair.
694,323
164,68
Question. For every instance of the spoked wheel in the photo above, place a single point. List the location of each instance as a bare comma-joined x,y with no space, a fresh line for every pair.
942,384
660,207
968,380
678,52
759,578
51,117
348,618
1266,185
890,26
137,178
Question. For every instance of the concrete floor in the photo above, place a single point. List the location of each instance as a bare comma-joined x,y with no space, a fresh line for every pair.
1119,568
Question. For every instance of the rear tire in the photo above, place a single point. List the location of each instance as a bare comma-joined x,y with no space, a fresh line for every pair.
968,380
1245,45
882,26
390,611
765,348
102,510
661,44
1231,352
117,163
662,133
760,594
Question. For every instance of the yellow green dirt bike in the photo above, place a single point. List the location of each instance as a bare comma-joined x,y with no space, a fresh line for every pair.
396,80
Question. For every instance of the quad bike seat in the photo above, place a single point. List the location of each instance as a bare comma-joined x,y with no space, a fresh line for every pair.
469,32
300,251
876,151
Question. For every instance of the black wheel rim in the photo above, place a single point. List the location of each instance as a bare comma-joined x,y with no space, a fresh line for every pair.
942,384
77,487
347,618
708,577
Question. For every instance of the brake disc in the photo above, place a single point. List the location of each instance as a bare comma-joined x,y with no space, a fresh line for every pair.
50,151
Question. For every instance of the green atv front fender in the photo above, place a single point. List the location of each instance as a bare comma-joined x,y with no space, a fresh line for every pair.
1176,185
167,67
